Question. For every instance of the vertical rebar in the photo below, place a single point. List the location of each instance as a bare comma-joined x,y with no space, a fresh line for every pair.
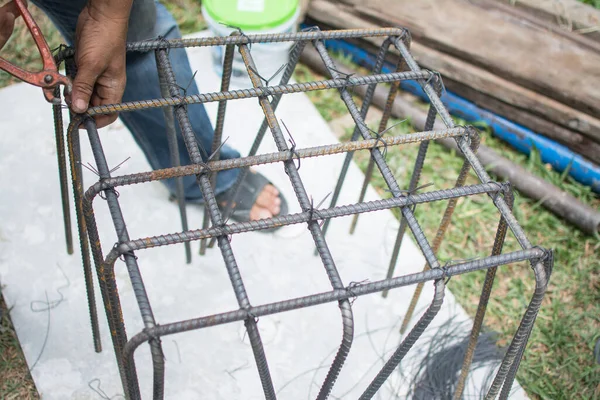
218,132
408,342
108,290
175,160
367,99
217,220
483,300
387,112
137,283
513,355
414,182
439,236
61,158
77,182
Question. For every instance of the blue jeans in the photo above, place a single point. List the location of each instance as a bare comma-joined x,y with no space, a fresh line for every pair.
150,19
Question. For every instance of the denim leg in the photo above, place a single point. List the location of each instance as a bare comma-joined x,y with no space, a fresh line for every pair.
150,19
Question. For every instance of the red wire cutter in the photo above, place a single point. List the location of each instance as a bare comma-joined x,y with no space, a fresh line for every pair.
48,78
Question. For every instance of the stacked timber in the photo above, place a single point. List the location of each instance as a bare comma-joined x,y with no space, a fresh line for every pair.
510,60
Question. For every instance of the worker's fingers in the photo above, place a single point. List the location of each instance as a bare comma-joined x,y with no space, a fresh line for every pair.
100,59
8,15
103,120
11,8
83,87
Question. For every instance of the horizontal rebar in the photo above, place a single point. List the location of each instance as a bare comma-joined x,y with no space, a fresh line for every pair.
350,292
258,92
268,158
155,44
302,217
263,38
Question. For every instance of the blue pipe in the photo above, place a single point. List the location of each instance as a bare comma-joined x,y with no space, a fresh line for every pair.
523,139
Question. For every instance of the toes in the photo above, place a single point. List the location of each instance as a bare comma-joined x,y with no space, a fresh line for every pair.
259,213
271,189
274,210
264,199
268,204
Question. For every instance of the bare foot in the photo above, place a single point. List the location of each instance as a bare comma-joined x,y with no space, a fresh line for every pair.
267,204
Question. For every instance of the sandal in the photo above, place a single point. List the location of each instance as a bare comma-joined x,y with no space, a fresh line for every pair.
250,188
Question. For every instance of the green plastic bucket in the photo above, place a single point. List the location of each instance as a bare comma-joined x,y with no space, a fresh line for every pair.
252,16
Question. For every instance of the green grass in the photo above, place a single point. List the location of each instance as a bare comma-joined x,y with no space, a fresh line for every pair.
559,362
15,381
593,3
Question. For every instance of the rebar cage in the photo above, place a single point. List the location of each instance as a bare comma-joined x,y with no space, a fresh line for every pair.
216,225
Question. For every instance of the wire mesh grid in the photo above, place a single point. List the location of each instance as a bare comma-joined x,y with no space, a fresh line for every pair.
216,226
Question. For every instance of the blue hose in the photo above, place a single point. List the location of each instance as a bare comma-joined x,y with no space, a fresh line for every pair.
523,139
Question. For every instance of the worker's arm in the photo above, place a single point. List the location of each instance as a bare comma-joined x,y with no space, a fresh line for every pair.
8,15
100,55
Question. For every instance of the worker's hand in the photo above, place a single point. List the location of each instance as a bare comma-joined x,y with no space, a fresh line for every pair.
8,14
100,58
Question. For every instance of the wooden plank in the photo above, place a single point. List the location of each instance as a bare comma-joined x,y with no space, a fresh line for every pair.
532,18
573,140
502,44
571,15
472,77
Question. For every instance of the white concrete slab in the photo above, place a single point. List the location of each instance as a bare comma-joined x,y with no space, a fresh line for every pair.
214,363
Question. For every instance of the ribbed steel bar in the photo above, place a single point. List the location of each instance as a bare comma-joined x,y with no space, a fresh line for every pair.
387,112
441,232
224,245
515,349
106,278
307,35
215,152
314,228
203,98
137,283
263,38
483,301
77,182
175,160
512,372
408,342
414,182
59,134
351,292
298,218
285,78
269,158
383,49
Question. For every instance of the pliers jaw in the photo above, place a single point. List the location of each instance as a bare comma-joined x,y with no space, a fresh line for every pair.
48,78
51,80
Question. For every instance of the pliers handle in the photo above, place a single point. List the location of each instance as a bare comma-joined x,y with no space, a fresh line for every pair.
48,78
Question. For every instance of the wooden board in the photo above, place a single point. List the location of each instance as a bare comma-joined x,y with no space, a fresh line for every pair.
540,113
571,15
479,33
